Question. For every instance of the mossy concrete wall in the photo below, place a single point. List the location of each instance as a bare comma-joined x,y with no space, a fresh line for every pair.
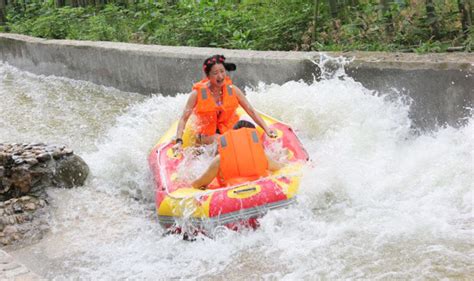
441,85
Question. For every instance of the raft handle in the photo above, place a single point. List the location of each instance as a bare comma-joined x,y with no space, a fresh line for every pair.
245,190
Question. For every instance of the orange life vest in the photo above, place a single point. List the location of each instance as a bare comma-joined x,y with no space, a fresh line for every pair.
211,116
242,157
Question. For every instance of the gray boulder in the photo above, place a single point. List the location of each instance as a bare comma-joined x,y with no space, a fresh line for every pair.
70,171
28,169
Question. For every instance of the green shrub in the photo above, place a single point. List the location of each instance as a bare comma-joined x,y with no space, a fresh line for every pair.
250,24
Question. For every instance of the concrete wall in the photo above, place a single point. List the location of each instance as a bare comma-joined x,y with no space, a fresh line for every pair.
442,86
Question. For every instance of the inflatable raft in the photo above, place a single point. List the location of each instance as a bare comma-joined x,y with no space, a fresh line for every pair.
178,204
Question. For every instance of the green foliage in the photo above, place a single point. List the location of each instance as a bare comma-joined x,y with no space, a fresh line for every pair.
251,24
110,24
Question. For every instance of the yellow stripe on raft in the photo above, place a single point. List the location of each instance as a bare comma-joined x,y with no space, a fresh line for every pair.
292,172
185,202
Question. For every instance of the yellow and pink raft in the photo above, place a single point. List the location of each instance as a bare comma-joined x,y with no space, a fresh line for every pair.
231,206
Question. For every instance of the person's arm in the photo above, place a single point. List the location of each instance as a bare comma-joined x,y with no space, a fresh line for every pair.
188,109
244,103
209,175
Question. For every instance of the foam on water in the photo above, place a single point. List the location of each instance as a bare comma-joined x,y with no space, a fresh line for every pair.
379,200
57,110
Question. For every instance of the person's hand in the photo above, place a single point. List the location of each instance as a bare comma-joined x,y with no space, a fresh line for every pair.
272,133
178,146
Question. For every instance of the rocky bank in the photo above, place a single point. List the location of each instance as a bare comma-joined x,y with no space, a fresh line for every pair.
26,171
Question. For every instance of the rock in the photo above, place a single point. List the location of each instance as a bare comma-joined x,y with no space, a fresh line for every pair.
43,157
19,161
17,208
70,171
14,224
26,170
16,236
10,229
3,158
27,154
6,183
31,161
21,179
8,211
29,217
56,154
26,198
42,203
20,219
38,144
30,206
30,168
5,240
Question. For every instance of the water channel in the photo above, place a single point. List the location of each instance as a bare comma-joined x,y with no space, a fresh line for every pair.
380,200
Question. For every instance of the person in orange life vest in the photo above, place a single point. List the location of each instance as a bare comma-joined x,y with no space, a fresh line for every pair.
241,158
214,101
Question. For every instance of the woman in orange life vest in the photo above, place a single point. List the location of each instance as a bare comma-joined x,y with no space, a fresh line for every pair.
241,158
214,101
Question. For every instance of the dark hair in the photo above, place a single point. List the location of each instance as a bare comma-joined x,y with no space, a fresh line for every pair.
244,124
216,59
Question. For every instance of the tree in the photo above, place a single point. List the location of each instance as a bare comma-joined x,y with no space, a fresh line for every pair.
432,20
333,8
315,20
466,15
385,4
3,12
60,3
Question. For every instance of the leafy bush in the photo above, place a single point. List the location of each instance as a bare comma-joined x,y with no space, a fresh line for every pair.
251,24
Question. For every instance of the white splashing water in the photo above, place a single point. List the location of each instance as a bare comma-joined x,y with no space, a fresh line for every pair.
378,201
